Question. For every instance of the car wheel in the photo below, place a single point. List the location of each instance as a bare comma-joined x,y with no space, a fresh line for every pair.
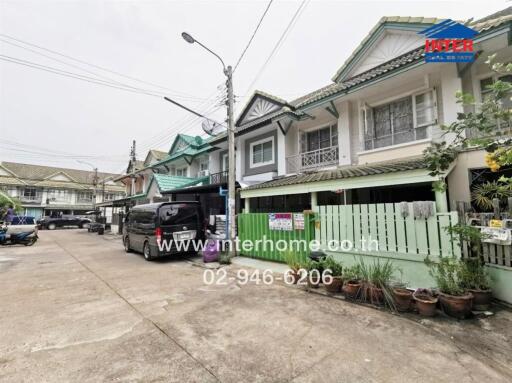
52,226
126,243
147,252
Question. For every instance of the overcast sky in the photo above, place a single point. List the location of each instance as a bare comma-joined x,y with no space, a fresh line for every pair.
67,118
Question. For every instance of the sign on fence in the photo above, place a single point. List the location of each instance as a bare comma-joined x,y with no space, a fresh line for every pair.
280,221
298,221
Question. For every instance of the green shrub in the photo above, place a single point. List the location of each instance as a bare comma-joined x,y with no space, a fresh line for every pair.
448,274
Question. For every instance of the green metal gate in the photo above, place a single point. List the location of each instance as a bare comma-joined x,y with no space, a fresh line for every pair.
255,226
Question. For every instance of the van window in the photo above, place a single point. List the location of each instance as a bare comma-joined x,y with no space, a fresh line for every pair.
178,214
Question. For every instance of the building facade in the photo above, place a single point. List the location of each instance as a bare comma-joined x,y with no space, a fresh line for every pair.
47,190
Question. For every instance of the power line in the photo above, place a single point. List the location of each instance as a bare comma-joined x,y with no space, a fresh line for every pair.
108,79
253,34
92,65
299,10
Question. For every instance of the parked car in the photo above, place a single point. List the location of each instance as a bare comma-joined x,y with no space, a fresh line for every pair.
147,225
52,223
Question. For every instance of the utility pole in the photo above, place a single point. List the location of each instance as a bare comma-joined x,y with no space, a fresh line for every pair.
231,159
133,159
95,187
231,144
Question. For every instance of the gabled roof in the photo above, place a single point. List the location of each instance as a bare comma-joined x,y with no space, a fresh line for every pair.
395,22
158,155
260,104
30,173
184,141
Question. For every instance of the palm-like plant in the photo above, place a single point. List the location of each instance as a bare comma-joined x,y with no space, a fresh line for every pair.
483,194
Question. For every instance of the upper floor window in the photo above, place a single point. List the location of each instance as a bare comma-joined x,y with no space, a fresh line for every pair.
404,120
30,192
181,172
225,162
487,82
262,152
84,196
322,138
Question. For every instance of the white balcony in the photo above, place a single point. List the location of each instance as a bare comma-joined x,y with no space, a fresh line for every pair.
312,160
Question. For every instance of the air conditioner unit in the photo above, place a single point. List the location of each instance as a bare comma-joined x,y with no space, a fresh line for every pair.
203,173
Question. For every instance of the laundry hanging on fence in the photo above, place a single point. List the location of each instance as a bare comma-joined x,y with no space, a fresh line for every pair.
423,209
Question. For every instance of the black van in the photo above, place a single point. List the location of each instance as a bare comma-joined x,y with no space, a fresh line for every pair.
166,223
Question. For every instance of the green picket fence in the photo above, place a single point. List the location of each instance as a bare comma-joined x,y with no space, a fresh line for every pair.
394,230
255,226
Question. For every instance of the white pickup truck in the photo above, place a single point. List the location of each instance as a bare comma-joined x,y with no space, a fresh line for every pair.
22,224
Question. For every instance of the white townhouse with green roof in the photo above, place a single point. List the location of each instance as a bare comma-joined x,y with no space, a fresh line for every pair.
360,139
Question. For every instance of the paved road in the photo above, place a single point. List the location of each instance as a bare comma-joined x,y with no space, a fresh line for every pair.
75,307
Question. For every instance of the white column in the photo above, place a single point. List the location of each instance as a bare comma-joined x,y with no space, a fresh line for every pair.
450,84
281,153
247,206
441,201
344,134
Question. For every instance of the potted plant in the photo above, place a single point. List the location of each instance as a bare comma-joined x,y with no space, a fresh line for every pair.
402,298
475,279
447,273
332,275
314,274
294,263
375,280
425,302
352,282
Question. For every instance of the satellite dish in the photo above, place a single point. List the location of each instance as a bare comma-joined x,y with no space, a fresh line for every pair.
212,128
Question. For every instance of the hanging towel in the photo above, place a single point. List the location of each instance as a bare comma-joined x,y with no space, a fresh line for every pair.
404,209
423,209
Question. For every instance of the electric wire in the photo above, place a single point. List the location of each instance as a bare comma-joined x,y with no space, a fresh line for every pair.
288,28
94,65
253,35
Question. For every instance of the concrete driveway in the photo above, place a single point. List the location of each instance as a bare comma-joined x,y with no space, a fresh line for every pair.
75,307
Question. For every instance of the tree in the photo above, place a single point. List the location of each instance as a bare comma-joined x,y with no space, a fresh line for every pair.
6,202
487,120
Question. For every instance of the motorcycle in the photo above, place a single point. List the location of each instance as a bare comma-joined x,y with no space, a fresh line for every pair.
27,238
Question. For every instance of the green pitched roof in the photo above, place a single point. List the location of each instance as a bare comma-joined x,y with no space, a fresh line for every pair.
166,182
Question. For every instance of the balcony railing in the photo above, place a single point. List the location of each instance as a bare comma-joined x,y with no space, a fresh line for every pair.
219,178
312,160
31,198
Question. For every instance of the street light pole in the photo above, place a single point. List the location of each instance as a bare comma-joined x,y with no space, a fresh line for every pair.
231,143
231,158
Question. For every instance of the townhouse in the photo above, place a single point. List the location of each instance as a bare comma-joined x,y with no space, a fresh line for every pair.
45,190
360,138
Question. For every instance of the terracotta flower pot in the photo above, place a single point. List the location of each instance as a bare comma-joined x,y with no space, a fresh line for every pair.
314,280
481,299
335,285
457,306
403,299
295,275
352,289
426,304
374,295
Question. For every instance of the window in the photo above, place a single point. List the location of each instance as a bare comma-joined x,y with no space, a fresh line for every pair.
488,81
84,196
262,152
203,167
225,162
404,120
59,195
325,137
30,193
485,91
181,172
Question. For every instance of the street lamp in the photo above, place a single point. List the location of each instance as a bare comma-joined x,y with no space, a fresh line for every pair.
231,140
